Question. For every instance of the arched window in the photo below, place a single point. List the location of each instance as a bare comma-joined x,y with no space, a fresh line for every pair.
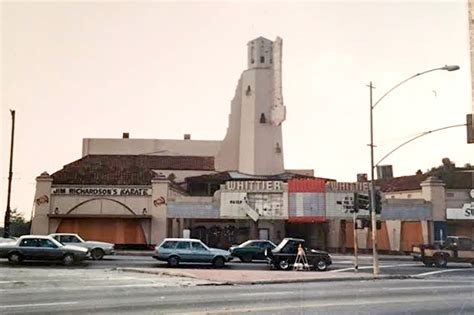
262,59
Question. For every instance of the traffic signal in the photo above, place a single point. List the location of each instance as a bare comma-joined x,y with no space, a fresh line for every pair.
356,203
378,202
361,202
378,224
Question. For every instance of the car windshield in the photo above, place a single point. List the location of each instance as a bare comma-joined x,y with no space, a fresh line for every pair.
58,244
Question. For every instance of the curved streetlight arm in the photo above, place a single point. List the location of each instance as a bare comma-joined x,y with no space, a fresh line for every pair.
414,138
447,68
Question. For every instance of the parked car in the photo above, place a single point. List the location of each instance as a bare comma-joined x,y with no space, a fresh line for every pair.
97,249
41,247
455,249
251,249
284,255
178,250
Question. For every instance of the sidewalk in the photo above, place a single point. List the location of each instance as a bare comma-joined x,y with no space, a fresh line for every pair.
369,257
234,277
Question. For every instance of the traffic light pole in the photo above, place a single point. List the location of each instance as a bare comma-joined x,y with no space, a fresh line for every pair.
372,166
375,259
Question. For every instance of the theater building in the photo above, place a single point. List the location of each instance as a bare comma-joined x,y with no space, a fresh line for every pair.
136,192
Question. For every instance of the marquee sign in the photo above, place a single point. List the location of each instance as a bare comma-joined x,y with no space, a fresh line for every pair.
347,186
254,186
101,191
254,199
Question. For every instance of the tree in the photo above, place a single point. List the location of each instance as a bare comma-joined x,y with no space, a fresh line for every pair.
18,224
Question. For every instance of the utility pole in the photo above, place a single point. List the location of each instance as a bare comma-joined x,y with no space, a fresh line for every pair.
372,191
6,229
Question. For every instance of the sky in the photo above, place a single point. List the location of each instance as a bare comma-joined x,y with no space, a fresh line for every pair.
155,69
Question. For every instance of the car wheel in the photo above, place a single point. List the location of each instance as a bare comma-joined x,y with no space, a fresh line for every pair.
283,264
97,254
173,261
68,259
246,258
15,258
441,261
320,265
427,263
218,262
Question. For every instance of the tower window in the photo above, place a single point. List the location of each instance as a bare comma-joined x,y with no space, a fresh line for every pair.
262,118
249,90
278,148
262,59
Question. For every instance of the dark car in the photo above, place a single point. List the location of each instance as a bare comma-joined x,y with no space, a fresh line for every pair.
40,247
251,250
284,255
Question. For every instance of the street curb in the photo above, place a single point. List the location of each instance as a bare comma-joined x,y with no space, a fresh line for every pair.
158,273
381,258
257,282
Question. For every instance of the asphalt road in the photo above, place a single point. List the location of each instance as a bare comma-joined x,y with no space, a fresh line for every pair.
47,290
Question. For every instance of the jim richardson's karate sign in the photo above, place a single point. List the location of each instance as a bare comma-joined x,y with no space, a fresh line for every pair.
102,191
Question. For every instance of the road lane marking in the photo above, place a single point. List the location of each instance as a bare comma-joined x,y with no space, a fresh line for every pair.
37,304
300,305
266,293
92,287
380,266
438,272
26,281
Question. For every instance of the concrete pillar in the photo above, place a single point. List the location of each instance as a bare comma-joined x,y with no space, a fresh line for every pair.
433,190
159,209
333,234
394,228
42,205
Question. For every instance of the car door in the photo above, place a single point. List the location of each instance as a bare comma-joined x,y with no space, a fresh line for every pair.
28,248
48,250
201,253
465,251
254,249
183,249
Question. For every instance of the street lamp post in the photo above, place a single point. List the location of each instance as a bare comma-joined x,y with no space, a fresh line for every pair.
372,167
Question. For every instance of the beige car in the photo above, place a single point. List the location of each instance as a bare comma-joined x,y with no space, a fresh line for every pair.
454,249
96,249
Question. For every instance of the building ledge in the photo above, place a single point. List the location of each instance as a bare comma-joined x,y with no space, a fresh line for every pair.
98,216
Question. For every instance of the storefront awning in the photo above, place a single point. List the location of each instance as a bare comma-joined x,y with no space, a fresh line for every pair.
98,216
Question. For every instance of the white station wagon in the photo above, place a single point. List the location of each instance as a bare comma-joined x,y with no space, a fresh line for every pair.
178,250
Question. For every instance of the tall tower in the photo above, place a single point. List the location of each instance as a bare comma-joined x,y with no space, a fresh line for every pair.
253,143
